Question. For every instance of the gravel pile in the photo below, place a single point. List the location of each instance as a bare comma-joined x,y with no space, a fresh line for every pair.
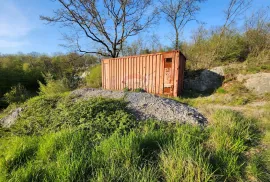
145,106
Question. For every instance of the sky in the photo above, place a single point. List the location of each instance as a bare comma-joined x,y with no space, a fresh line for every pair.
21,30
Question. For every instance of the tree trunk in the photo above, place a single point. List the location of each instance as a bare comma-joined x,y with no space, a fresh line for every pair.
176,39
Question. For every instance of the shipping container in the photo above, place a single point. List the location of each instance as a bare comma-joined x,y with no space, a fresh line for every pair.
159,73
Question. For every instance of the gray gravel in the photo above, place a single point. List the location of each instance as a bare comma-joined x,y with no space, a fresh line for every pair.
146,106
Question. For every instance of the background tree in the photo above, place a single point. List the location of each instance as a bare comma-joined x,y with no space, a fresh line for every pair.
257,31
235,9
107,23
178,13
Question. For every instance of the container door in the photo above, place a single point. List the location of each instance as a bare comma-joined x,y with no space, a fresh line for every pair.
168,74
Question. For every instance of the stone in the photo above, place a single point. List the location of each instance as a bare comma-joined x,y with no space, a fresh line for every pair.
11,118
218,70
258,83
206,80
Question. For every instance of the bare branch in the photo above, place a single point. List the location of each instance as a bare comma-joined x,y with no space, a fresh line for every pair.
235,9
178,13
108,23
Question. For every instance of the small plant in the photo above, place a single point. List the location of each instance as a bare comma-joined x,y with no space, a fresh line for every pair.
221,91
126,89
17,94
139,90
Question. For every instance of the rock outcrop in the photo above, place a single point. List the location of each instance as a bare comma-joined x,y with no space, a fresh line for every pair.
259,83
206,80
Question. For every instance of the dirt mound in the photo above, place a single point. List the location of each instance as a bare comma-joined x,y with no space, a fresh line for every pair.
147,106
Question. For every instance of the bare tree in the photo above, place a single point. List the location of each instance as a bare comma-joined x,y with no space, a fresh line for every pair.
154,43
257,31
178,13
235,9
258,20
106,23
134,48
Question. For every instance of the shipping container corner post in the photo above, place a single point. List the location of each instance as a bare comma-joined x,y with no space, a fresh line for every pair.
159,73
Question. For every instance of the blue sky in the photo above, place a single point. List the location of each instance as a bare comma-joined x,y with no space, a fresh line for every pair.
22,31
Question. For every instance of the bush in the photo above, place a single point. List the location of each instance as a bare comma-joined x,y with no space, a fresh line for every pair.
49,114
94,78
17,94
232,48
53,87
257,40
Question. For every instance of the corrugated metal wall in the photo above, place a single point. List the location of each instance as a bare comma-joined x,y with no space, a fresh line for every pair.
146,72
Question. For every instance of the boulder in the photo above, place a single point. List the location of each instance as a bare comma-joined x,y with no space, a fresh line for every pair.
258,83
218,70
11,118
206,80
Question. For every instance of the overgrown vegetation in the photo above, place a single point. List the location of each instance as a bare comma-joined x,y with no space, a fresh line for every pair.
28,71
94,78
227,44
57,139
17,94
53,87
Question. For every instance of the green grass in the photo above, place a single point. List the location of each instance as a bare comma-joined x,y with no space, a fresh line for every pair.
57,139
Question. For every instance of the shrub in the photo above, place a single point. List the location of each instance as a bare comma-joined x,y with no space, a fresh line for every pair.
257,40
53,87
94,78
232,48
49,114
139,90
17,94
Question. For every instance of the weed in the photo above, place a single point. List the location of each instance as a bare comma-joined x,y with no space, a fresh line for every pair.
126,89
221,90
139,90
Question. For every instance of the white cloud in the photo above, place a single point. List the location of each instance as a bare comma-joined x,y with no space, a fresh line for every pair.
13,23
12,44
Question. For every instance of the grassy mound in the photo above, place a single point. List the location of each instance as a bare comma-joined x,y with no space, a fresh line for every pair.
57,139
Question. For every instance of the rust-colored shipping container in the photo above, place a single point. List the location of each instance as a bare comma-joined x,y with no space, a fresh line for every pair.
159,73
